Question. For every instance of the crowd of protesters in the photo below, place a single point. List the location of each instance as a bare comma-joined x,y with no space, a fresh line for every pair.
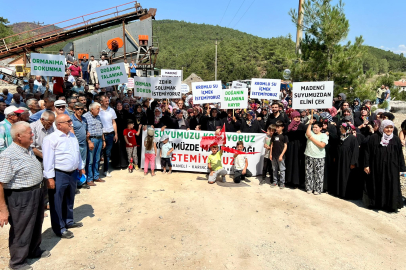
50,140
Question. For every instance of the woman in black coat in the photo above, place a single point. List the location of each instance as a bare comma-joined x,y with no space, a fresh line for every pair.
231,122
118,151
383,163
213,122
140,118
342,184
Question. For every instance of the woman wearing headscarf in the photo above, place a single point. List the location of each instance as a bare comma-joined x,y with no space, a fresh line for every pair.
346,160
356,105
198,118
383,163
157,121
118,151
250,124
231,122
214,122
340,99
331,131
140,119
362,119
295,159
263,118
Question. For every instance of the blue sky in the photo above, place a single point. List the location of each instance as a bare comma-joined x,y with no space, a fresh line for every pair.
381,23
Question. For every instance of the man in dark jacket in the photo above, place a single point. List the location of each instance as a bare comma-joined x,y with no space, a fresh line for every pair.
179,122
276,116
214,122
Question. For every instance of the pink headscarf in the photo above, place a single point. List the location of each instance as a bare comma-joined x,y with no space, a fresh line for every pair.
294,124
332,111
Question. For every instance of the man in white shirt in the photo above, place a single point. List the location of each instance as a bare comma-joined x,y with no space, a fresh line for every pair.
71,79
62,159
38,80
127,67
108,117
91,68
103,62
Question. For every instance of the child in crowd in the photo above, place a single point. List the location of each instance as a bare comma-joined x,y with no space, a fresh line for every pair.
166,154
240,165
315,154
150,152
198,127
216,165
131,142
277,155
267,145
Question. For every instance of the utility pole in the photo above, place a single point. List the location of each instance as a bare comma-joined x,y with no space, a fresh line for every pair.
299,33
215,65
125,53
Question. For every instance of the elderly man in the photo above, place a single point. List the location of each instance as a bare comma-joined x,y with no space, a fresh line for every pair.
41,128
22,198
33,106
30,87
42,88
12,115
96,142
6,97
25,115
80,129
61,161
38,80
108,117
17,101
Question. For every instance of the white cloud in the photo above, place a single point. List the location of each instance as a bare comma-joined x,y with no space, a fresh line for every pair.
400,49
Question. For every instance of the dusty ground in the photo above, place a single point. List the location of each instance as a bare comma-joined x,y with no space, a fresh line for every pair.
181,222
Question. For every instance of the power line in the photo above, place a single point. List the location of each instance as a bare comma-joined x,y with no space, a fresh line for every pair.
236,13
225,12
244,14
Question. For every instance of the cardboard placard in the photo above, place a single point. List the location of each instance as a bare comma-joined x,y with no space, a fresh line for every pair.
236,98
111,75
47,65
265,89
312,95
206,92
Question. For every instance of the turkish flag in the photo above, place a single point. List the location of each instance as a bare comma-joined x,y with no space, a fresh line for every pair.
208,141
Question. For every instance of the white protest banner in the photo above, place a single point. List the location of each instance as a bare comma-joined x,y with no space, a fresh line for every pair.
111,75
143,86
312,95
47,65
206,92
188,156
185,88
237,84
171,73
236,98
167,87
265,89
130,83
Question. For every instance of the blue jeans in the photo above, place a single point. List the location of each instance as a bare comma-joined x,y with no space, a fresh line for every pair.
379,101
83,152
109,137
93,160
85,76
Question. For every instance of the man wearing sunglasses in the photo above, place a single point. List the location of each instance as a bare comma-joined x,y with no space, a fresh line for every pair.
80,129
62,159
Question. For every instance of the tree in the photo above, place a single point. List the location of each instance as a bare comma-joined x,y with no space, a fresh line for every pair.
383,66
5,30
323,57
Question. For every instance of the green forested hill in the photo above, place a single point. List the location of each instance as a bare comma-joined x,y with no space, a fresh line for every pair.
240,55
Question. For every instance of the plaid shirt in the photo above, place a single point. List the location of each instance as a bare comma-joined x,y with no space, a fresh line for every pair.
94,124
19,168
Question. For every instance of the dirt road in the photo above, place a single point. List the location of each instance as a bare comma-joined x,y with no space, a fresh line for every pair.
179,221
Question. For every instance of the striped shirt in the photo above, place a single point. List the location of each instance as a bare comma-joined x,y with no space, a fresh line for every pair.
39,134
94,124
19,168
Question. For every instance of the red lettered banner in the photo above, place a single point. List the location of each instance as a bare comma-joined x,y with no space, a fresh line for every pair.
189,156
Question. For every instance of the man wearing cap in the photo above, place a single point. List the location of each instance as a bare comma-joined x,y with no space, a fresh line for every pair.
61,161
22,198
12,114
80,129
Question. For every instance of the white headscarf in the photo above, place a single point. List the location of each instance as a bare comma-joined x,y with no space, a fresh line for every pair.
386,138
